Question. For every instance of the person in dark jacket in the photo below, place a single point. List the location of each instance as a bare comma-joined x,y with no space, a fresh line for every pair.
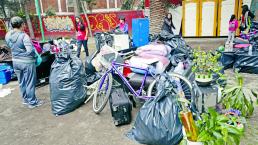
246,18
168,24
24,59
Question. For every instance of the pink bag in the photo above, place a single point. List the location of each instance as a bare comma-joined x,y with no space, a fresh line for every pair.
242,45
37,46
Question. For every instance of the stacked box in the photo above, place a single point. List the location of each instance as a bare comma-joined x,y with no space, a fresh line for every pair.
5,76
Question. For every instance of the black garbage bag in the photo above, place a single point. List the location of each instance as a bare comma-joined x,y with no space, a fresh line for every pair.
157,122
247,63
228,59
66,85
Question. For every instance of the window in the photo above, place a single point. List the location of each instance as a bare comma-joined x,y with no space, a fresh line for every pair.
100,4
70,5
112,3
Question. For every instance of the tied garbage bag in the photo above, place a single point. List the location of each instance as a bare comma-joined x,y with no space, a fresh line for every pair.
66,85
157,122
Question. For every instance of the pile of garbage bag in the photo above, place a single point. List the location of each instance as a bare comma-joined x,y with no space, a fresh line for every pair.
157,122
67,80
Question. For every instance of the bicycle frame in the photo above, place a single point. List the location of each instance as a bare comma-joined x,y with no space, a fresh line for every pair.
114,69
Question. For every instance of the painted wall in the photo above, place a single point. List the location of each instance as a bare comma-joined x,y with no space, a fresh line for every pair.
177,18
57,26
209,17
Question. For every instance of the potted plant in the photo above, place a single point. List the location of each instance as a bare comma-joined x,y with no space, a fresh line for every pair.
205,65
214,129
236,97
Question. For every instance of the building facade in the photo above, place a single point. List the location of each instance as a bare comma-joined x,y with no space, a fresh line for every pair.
64,7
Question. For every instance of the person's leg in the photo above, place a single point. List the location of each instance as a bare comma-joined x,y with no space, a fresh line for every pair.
30,81
79,45
231,40
227,45
85,45
228,40
233,37
20,75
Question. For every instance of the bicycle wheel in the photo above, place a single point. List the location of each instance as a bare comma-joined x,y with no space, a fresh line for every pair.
102,94
185,83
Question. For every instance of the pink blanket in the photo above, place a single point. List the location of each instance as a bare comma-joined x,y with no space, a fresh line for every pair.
155,49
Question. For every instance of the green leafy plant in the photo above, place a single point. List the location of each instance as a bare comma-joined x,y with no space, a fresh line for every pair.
168,4
127,4
215,130
50,11
206,63
90,4
237,98
255,95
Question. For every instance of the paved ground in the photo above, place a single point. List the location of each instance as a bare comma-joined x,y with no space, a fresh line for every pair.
22,126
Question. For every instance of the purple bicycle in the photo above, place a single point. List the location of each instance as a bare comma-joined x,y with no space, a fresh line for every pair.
105,84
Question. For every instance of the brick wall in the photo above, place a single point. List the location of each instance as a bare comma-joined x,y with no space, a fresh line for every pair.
157,14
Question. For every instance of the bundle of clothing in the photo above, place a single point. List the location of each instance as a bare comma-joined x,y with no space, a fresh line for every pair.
153,56
5,54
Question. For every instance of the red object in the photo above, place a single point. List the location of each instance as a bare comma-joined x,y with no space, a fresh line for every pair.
147,4
126,71
37,46
176,2
81,34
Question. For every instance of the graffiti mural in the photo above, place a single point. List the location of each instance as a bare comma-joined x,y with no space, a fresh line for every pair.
58,24
3,28
103,22
63,26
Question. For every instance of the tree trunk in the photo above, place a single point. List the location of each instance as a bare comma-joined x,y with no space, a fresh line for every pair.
2,5
86,16
29,22
76,7
157,13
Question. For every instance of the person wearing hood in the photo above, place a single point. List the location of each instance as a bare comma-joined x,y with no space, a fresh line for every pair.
24,57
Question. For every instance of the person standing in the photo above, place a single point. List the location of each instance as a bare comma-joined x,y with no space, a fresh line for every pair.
24,59
233,25
168,24
246,18
123,26
82,36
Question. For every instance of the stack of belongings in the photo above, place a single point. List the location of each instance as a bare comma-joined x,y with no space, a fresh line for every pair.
5,54
105,57
153,56
246,39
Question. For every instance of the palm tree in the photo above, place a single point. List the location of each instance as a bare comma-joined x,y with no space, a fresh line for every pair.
157,12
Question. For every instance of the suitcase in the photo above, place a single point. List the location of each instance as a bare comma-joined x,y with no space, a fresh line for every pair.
120,106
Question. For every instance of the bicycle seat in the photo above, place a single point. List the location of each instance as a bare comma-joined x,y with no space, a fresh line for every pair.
136,80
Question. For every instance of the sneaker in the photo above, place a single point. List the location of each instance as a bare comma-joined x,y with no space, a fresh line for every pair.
25,103
40,102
